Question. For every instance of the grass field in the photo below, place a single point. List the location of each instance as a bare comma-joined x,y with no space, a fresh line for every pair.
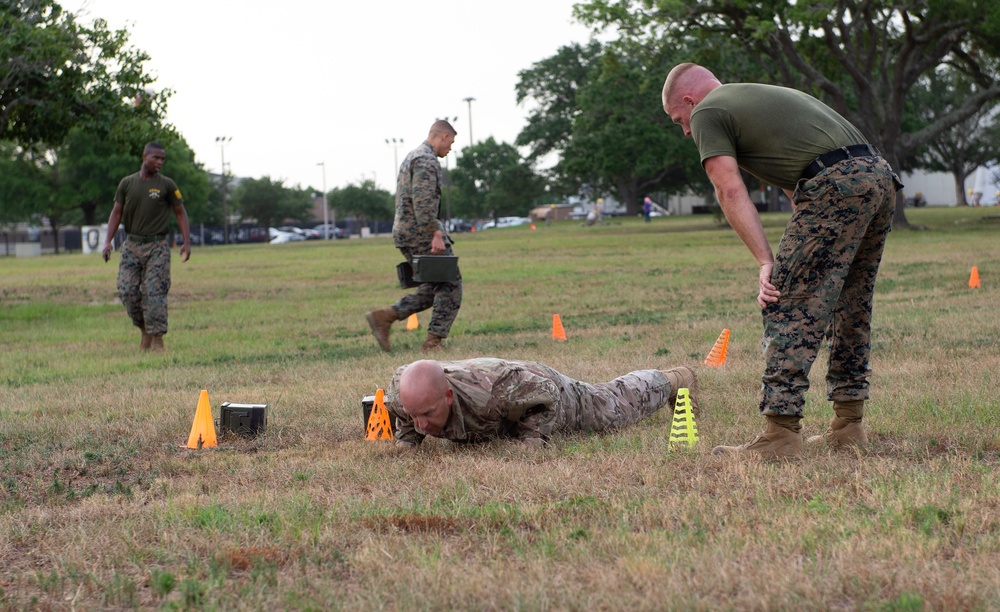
101,506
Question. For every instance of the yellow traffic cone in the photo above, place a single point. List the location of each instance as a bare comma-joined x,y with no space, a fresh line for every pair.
684,430
203,427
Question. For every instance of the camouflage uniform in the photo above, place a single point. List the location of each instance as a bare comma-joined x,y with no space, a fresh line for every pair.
829,255
143,283
495,398
144,268
825,269
418,204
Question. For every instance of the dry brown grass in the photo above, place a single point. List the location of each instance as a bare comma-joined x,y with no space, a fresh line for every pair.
101,507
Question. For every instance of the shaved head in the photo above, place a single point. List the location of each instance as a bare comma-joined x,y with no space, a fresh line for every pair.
421,380
441,137
441,127
687,79
426,396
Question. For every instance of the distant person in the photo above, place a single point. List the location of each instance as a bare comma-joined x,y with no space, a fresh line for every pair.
143,202
478,400
551,212
823,276
417,230
647,209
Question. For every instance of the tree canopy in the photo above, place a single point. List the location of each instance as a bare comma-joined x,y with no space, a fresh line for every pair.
863,57
365,201
592,106
56,74
492,179
269,202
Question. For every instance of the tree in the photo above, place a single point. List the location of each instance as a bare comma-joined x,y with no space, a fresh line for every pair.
22,184
626,144
269,202
492,179
863,57
593,109
364,200
56,74
972,143
552,86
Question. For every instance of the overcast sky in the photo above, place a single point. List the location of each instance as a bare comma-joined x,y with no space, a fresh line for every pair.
300,82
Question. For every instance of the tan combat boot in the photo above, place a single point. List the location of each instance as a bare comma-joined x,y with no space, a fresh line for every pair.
782,437
156,343
380,321
432,343
845,429
146,341
680,378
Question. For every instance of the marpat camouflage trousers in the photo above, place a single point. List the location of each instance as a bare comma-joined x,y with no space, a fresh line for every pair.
143,283
445,298
610,405
825,269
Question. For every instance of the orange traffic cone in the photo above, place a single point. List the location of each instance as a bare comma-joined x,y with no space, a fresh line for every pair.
379,426
203,428
558,333
974,278
718,355
412,323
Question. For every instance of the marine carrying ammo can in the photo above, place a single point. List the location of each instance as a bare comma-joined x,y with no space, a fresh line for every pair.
435,268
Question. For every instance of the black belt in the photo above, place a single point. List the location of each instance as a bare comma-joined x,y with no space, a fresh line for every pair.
836,156
146,239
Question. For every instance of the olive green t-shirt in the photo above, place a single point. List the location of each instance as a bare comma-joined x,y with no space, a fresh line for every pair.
147,204
773,132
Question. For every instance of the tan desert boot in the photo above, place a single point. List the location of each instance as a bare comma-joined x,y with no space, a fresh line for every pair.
156,343
845,429
146,341
432,343
683,377
380,321
779,439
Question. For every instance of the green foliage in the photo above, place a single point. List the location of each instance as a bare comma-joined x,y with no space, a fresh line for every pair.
863,58
58,74
597,106
492,180
365,201
23,184
269,202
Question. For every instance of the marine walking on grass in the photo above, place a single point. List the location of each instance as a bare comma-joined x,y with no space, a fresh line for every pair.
418,230
143,204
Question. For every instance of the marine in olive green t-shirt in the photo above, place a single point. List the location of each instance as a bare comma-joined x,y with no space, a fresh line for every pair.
773,132
148,203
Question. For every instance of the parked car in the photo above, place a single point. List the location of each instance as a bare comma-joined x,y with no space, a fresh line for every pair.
459,225
307,234
335,232
280,237
507,222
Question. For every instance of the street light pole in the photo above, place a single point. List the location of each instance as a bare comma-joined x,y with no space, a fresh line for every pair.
223,140
470,100
326,209
394,143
